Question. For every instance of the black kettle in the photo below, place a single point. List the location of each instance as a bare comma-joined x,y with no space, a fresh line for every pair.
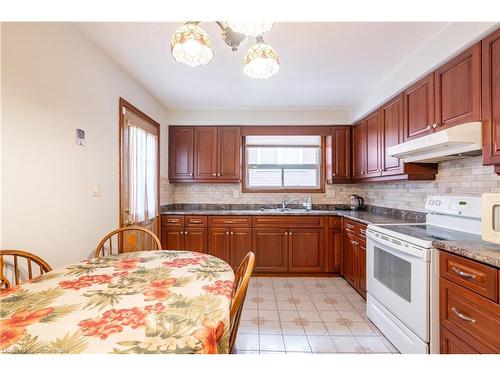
356,202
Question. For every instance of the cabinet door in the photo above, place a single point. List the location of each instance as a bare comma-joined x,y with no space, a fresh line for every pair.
219,243
418,102
195,239
373,145
172,238
359,150
205,153
333,252
306,250
229,153
180,153
491,98
451,344
271,249
241,244
458,96
339,154
362,268
349,259
391,121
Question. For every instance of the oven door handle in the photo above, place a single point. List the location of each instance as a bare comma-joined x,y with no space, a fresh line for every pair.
395,248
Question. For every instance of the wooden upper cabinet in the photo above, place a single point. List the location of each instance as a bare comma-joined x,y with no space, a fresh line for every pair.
491,98
205,153
391,128
229,153
359,150
338,154
418,103
458,92
180,153
373,150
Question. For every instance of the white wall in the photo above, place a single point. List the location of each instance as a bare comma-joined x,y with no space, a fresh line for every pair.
55,80
287,116
453,39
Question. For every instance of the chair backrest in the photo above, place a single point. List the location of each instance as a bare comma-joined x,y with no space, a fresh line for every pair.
241,279
19,263
107,246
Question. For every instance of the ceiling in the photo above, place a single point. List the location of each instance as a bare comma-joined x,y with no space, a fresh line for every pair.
323,64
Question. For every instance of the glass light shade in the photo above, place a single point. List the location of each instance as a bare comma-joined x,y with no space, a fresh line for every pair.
261,61
251,28
191,45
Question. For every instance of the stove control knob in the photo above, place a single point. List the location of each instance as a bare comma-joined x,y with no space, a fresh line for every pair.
431,202
438,202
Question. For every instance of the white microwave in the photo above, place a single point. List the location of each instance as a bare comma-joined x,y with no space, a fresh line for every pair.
490,217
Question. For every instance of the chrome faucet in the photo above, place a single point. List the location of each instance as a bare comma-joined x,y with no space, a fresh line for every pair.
286,203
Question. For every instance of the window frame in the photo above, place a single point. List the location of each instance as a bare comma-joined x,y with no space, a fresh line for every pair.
281,189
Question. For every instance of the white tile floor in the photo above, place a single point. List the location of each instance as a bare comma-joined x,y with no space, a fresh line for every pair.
306,315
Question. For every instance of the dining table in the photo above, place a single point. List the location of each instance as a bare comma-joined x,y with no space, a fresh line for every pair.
158,301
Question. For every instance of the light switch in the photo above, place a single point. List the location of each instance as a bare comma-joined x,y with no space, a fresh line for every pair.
96,190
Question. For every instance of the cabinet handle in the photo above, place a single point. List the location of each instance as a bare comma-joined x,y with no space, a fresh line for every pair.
462,316
428,127
232,233
286,233
227,233
290,233
214,174
191,174
333,174
434,126
218,174
173,220
463,274
195,221
349,226
228,221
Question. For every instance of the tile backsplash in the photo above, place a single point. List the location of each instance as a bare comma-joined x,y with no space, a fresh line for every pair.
456,177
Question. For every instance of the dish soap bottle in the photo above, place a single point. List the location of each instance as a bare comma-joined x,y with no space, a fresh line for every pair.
308,203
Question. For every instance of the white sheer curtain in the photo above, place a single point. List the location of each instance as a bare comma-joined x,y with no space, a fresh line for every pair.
142,178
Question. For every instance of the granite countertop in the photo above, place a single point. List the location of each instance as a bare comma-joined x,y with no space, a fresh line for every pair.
482,251
372,215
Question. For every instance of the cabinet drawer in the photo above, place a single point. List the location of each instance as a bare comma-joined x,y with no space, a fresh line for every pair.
451,344
472,275
471,313
195,221
172,220
335,222
355,228
229,221
288,222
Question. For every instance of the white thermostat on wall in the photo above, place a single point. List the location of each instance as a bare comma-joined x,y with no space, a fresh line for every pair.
80,137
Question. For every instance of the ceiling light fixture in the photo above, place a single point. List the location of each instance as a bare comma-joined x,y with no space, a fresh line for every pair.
254,29
261,61
192,46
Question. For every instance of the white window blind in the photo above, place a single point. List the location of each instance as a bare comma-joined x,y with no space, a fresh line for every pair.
283,161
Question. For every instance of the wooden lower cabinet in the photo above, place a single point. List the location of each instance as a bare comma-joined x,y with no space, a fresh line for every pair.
219,243
362,268
172,238
306,250
354,255
349,257
469,314
195,239
271,249
241,244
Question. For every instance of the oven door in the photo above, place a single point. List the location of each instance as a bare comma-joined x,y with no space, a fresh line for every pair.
398,278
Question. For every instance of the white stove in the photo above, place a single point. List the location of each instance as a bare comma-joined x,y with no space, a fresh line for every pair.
402,271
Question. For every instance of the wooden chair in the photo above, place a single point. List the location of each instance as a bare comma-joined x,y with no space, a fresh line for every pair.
122,243
241,279
15,266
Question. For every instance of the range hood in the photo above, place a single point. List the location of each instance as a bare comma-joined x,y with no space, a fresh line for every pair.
453,143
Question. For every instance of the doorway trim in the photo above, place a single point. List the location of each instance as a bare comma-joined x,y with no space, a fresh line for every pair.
123,104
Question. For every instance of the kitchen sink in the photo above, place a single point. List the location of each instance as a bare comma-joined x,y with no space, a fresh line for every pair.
283,210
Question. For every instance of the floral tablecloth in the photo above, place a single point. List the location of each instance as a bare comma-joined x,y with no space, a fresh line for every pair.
142,302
